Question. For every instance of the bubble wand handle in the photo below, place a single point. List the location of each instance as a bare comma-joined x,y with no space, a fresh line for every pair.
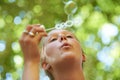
50,29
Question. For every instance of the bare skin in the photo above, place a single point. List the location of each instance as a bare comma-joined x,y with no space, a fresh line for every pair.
31,52
63,54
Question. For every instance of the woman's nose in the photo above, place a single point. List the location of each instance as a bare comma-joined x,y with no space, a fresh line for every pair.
62,37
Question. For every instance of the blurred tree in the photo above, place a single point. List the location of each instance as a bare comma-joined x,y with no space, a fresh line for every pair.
96,24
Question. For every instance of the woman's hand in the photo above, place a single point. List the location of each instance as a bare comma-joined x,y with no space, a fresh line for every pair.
29,42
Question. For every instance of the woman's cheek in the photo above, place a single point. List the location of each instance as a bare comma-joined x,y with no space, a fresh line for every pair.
51,49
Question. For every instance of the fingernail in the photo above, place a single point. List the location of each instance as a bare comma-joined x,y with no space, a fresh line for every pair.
37,25
42,26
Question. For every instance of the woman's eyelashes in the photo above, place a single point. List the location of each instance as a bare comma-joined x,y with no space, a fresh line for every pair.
53,39
69,36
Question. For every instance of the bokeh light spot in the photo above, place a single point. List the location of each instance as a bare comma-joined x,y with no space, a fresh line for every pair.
1,69
2,23
9,19
11,1
105,57
17,20
107,32
78,21
9,76
18,59
22,14
2,45
37,9
15,47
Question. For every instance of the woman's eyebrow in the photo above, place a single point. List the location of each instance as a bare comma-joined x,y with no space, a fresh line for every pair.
51,35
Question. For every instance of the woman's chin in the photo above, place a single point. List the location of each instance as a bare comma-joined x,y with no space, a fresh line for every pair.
69,57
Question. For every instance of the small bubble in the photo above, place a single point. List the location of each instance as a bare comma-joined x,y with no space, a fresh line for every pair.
57,26
69,23
62,25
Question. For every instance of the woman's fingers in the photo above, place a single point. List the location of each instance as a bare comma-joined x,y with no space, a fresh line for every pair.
27,30
37,32
25,33
33,33
41,34
30,40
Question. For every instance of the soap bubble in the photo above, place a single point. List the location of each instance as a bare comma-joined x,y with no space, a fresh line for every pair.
60,25
64,25
69,23
57,26
70,7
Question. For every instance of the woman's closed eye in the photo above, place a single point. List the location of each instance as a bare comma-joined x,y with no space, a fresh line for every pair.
53,39
69,36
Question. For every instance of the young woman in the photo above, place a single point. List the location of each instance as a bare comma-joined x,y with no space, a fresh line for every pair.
61,55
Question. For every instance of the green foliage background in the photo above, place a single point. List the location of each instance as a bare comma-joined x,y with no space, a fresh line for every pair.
90,16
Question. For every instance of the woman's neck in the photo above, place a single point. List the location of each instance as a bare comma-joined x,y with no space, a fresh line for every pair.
69,74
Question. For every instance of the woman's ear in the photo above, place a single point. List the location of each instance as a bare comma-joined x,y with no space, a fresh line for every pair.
83,58
46,66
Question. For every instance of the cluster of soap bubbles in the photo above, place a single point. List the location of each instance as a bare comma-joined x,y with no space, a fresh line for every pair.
62,25
70,8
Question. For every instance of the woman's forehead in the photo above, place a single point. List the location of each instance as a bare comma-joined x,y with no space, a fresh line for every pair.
55,32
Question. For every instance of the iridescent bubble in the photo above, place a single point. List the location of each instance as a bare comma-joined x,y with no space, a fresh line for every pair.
69,23
57,26
63,25
70,7
60,26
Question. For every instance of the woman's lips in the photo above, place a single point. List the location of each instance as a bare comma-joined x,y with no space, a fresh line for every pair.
65,45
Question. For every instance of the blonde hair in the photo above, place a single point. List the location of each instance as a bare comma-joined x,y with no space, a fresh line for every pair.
43,59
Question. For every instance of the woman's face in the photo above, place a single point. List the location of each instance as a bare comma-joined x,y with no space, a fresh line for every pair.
62,46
